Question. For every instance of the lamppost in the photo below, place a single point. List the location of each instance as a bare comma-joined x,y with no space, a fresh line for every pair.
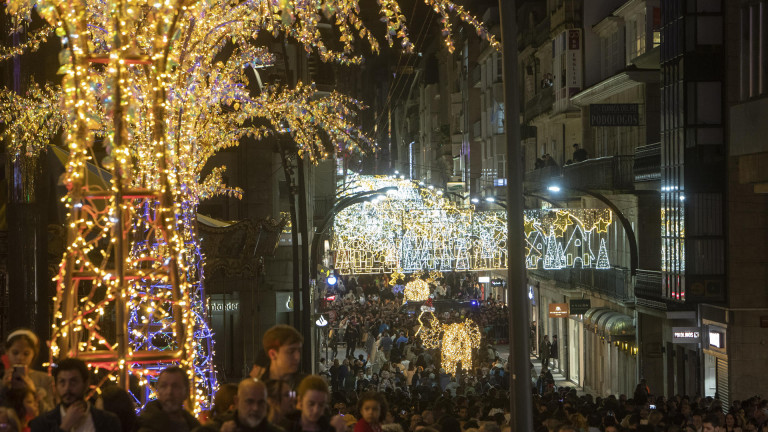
521,404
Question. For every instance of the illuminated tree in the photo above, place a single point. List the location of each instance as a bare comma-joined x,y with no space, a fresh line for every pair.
160,87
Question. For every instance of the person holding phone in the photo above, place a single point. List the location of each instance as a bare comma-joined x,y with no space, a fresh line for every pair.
22,346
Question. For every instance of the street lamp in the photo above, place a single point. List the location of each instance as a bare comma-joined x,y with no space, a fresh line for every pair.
474,200
490,199
553,188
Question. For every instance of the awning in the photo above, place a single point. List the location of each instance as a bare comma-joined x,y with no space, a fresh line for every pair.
620,325
591,315
615,325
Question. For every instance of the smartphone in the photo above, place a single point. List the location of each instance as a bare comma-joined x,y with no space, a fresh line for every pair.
651,406
19,371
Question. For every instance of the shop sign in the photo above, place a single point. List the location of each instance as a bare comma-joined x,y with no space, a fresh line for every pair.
580,306
484,279
221,306
686,334
497,282
614,115
716,339
558,310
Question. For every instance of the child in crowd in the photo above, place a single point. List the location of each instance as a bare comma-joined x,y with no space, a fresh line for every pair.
21,347
373,410
24,402
313,397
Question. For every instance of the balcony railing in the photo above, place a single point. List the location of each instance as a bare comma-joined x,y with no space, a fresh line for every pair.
648,285
615,282
606,173
569,12
541,177
539,104
647,166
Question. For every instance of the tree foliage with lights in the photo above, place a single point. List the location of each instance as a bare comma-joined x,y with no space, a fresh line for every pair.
159,88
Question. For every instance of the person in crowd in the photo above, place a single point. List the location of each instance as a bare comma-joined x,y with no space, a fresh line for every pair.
74,413
21,347
250,413
351,337
23,400
546,350
116,400
373,409
313,399
223,401
579,154
385,344
732,423
711,423
554,352
282,343
281,399
167,413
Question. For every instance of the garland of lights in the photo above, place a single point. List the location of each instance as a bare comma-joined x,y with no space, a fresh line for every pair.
414,228
162,107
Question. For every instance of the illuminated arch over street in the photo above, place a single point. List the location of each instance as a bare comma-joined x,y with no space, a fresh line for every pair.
414,227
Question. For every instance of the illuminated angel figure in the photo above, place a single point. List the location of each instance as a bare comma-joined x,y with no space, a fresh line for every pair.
429,333
459,340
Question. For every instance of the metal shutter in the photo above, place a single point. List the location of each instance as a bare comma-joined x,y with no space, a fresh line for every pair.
722,382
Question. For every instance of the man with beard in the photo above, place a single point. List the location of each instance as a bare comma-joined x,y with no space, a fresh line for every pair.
167,413
250,414
74,413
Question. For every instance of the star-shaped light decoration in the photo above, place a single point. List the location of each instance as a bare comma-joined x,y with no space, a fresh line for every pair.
562,222
601,225
528,227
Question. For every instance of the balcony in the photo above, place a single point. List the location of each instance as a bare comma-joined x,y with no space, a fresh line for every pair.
539,178
647,166
648,285
614,283
569,12
535,36
612,173
539,104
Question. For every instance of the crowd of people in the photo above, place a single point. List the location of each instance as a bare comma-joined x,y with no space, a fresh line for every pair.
386,381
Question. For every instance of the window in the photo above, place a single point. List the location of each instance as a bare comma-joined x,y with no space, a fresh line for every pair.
754,61
501,165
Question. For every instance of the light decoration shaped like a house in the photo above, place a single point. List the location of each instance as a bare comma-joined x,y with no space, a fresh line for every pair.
567,238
